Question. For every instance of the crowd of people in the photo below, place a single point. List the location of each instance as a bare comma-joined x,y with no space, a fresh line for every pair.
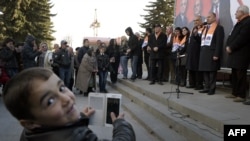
168,56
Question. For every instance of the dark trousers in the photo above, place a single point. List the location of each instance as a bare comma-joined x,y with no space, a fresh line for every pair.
139,67
210,80
71,83
156,74
166,68
146,61
181,75
134,62
114,72
12,72
195,79
172,66
102,80
65,76
239,82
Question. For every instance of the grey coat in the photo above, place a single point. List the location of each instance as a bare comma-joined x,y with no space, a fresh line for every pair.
87,66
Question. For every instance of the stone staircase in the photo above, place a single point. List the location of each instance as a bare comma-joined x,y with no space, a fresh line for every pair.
166,117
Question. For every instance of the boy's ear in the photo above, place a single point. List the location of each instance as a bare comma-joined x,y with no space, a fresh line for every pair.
28,124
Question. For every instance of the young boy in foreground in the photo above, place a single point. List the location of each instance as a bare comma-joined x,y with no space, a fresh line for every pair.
46,109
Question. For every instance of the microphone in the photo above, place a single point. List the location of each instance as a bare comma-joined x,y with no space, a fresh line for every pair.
205,23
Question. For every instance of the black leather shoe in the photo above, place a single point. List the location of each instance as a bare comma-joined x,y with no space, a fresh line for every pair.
204,91
210,93
247,102
139,77
151,83
190,86
132,79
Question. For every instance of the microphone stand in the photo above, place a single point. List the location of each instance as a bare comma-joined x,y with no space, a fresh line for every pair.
178,64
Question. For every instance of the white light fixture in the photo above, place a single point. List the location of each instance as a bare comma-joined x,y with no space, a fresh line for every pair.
1,13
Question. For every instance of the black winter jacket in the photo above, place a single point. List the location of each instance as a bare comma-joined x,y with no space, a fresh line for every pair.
103,62
81,53
239,43
133,43
63,58
79,131
9,58
28,53
159,42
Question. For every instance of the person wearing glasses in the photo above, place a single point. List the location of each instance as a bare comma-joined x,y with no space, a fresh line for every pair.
45,59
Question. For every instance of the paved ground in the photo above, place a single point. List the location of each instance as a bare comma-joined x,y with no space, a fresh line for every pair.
10,129
226,110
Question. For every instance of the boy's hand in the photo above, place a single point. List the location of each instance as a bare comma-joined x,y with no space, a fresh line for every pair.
88,111
113,117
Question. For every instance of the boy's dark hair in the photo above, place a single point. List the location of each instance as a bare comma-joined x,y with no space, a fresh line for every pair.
17,91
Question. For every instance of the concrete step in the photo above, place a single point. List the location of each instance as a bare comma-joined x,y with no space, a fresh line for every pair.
182,124
152,124
203,115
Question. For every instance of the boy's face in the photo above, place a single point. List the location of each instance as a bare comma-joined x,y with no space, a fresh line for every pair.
53,104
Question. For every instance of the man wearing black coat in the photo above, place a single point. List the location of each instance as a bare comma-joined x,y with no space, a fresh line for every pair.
30,52
238,48
63,59
83,50
156,45
133,51
210,53
193,55
140,59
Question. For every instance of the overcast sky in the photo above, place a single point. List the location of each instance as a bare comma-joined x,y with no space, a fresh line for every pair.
75,16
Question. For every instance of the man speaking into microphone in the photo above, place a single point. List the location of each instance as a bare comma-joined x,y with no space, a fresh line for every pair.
211,52
193,54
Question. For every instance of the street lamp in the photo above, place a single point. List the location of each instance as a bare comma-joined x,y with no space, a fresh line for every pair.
1,13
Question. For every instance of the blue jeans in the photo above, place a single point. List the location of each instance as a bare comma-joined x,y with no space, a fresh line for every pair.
64,74
102,80
124,64
134,61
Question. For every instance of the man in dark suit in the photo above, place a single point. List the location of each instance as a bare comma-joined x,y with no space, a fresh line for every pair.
156,44
210,53
181,19
167,52
193,54
238,48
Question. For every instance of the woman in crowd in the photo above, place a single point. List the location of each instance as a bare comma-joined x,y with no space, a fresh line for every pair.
85,80
124,56
113,51
182,57
173,57
8,56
